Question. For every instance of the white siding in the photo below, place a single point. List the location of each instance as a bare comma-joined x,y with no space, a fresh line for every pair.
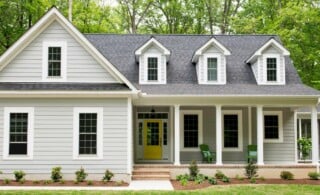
53,135
81,66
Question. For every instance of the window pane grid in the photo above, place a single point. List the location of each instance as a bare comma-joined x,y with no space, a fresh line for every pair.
271,69
152,69
88,133
231,131
212,69
54,61
18,140
271,127
153,134
190,130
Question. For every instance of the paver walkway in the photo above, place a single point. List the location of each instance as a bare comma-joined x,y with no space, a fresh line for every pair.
134,185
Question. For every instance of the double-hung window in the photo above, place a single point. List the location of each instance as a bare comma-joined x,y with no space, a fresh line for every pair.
212,69
232,130
191,129
153,69
271,69
273,130
18,132
88,132
54,61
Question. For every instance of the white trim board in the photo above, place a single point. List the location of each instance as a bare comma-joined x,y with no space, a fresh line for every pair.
280,126
240,130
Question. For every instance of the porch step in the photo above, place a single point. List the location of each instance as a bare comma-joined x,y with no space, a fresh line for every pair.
150,173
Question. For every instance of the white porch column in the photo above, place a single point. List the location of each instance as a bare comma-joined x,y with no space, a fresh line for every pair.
218,135
176,134
314,135
260,135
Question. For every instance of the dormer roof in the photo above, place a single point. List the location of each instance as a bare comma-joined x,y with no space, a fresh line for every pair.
273,43
152,42
211,42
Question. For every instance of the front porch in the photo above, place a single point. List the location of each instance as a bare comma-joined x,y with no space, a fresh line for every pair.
171,134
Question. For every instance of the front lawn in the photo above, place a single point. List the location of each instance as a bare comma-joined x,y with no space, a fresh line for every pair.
254,189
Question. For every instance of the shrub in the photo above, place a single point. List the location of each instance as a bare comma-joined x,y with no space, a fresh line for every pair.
182,177
225,179
183,182
47,182
193,170
36,182
62,181
200,178
219,175
90,183
314,175
238,177
107,175
56,175
6,181
119,183
22,181
212,181
287,175
19,175
305,146
253,180
262,178
251,170
81,175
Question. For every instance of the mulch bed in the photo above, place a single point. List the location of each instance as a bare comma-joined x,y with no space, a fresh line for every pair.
192,185
64,183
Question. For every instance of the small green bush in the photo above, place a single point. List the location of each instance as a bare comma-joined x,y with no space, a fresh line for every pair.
47,182
56,174
183,177
193,170
22,181
89,183
238,177
107,175
62,181
253,180
36,182
119,183
19,175
251,170
183,182
212,181
286,175
313,175
76,182
225,179
81,175
6,181
200,178
262,178
219,175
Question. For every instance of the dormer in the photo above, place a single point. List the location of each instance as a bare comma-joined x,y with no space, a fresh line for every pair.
152,58
268,63
210,60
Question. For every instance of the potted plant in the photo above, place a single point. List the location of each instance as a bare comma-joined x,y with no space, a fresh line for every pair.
305,146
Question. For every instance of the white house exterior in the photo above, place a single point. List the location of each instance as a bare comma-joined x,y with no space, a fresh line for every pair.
105,101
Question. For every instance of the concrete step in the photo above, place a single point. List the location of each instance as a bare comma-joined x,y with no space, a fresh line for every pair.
150,173
139,172
150,177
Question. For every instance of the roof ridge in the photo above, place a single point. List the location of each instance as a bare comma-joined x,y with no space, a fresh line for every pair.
202,35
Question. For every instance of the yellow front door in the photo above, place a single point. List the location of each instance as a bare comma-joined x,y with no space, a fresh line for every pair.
152,132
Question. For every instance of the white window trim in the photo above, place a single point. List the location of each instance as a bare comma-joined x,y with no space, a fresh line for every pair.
76,112
45,46
200,130
219,66
265,57
7,111
240,131
145,67
280,127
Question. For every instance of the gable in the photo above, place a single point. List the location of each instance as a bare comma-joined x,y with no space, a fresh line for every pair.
80,66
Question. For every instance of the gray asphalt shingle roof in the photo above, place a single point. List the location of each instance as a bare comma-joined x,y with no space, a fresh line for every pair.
181,73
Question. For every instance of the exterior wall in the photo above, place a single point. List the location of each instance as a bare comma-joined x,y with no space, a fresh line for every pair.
53,138
209,136
81,66
279,153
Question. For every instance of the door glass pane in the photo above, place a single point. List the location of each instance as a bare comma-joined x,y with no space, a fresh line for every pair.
153,134
306,128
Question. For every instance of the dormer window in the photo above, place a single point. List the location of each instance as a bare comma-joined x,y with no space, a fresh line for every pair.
271,69
152,58
212,69
54,61
211,63
152,69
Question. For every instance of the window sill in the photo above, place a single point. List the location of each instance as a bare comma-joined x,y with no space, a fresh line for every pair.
197,149
267,141
232,150
88,157
17,157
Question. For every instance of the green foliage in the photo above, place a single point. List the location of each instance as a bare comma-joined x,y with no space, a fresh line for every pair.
225,179
313,175
184,182
200,178
62,181
19,175
36,182
81,175
89,183
238,177
305,146
251,170
56,174
286,175
193,170
253,180
262,178
182,177
219,175
119,183
22,181
107,176
212,181
6,181
47,182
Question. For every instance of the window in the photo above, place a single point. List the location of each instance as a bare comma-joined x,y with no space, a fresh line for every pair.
232,130
88,133
54,61
18,132
152,69
191,124
212,69
271,69
273,131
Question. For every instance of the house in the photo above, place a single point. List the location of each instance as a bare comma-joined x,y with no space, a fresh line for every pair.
107,101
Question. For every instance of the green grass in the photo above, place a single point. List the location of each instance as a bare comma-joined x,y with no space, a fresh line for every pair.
232,189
